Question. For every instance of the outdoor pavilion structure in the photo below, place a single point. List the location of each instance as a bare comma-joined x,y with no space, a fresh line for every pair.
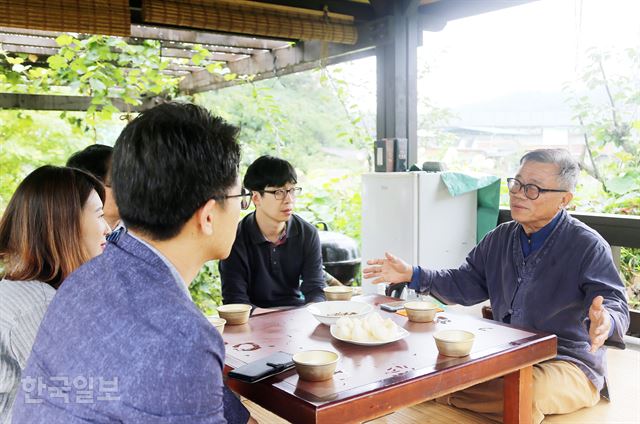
266,39
262,38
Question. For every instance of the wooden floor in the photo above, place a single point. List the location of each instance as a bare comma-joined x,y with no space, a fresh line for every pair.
624,376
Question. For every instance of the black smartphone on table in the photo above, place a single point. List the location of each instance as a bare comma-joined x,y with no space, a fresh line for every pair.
393,306
264,367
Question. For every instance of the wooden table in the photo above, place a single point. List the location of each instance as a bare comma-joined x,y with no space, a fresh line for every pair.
370,382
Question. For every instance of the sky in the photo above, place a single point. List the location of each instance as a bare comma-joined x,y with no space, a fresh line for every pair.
528,48
532,47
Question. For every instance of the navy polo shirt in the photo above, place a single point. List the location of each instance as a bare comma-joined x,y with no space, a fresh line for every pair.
264,274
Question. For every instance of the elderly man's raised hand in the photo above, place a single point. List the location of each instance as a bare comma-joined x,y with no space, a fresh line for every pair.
388,270
600,323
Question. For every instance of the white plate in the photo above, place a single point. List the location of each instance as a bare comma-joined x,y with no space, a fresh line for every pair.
329,312
401,334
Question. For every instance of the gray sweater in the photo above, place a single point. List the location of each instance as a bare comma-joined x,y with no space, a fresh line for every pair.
22,307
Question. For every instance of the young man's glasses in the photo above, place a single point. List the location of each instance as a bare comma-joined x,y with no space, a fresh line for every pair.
531,191
281,193
245,196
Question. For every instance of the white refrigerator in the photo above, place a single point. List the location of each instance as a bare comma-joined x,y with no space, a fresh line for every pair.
413,216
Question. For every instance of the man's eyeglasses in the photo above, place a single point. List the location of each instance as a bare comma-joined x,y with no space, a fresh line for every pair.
531,191
245,196
281,193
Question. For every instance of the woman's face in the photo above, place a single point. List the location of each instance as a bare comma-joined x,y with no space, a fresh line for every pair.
93,227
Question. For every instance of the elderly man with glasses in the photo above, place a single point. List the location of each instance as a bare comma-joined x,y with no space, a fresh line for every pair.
544,270
276,258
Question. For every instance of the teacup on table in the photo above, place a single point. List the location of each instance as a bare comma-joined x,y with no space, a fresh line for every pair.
456,343
218,323
419,311
235,313
316,365
338,292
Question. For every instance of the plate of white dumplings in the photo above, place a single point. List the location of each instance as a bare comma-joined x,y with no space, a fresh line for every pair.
371,330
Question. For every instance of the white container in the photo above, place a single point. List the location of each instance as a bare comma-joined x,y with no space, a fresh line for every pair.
413,216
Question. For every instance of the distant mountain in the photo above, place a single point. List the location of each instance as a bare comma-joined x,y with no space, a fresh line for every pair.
524,109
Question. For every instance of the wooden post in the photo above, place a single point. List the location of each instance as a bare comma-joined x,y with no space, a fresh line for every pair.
518,396
397,78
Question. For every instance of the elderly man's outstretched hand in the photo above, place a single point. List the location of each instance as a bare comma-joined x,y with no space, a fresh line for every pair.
600,323
388,270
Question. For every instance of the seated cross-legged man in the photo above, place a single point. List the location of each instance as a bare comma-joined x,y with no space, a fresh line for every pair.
276,258
544,270
122,341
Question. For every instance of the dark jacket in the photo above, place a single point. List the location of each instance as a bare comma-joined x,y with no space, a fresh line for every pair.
551,290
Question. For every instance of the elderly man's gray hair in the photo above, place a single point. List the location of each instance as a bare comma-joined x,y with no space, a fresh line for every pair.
568,167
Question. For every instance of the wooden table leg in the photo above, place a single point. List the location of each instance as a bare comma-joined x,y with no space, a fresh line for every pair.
518,396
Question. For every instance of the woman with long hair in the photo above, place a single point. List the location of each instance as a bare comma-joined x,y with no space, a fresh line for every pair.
53,224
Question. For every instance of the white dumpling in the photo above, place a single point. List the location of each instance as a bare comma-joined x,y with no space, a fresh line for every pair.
343,332
391,326
382,333
365,324
359,334
357,323
374,319
345,321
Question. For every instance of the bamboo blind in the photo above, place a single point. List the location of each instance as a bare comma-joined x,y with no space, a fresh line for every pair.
250,18
107,17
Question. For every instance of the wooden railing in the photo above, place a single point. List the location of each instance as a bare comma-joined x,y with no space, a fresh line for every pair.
617,230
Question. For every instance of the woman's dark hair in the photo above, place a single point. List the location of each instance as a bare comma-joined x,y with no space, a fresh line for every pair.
95,159
40,233
269,171
168,162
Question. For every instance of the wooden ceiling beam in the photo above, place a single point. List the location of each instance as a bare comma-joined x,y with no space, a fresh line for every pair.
215,56
171,35
204,37
297,58
21,43
168,53
65,103
27,40
39,51
212,48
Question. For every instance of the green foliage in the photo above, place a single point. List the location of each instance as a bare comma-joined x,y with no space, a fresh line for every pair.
205,288
609,117
97,66
337,202
294,117
612,139
29,140
356,130
630,267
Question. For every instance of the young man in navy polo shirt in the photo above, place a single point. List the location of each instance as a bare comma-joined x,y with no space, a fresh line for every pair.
276,258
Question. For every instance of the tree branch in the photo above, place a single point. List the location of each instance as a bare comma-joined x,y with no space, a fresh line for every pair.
593,169
614,115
